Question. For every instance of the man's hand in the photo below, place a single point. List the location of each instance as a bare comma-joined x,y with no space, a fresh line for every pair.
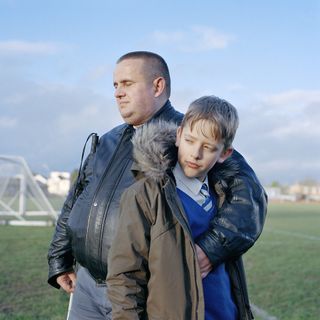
67,281
204,262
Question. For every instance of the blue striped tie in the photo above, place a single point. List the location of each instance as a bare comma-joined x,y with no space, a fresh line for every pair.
207,204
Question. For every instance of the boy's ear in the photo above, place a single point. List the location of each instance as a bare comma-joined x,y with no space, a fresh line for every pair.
225,154
178,137
159,85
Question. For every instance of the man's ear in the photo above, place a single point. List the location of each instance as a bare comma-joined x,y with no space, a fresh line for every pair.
225,154
159,85
178,137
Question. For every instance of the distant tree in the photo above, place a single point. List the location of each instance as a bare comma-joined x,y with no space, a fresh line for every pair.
275,184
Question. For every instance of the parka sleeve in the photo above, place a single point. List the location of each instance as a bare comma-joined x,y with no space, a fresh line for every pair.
60,258
127,262
239,221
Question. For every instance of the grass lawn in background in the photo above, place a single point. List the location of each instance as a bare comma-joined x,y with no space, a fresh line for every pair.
283,268
24,292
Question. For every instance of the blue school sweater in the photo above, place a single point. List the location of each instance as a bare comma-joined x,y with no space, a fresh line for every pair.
219,304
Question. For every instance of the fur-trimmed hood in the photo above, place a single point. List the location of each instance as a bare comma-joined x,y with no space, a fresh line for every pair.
154,149
155,152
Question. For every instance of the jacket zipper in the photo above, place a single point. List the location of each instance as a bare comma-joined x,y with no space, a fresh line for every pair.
99,186
106,210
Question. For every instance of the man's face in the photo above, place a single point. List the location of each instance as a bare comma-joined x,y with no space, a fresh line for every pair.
134,91
198,151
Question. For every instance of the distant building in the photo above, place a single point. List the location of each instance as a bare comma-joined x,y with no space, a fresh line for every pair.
59,183
305,191
40,179
273,192
277,194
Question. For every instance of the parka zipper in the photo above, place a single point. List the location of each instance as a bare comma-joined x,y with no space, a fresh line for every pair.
186,222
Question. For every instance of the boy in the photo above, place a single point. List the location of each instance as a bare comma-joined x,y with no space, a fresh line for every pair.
153,268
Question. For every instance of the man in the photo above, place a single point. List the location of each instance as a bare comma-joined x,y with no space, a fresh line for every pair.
86,226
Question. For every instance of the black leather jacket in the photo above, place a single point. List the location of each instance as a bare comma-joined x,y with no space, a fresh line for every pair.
85,228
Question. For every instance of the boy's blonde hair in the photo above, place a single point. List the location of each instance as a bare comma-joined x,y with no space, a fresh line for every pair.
222,115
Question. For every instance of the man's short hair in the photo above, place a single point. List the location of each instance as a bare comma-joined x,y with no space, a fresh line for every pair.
222,114
159,65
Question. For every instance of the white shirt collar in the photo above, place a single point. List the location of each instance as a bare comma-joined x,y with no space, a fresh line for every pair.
190,186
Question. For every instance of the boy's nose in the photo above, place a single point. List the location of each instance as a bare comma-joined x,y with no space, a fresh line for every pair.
196,153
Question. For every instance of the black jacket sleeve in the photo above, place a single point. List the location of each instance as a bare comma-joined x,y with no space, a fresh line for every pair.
60,257
239,221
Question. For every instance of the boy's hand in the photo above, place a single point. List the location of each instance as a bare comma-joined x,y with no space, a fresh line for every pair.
67,281
204,262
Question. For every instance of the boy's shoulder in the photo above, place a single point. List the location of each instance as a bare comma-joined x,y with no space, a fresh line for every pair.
147,185
146,197
147,191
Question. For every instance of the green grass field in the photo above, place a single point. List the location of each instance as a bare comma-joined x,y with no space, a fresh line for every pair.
283,268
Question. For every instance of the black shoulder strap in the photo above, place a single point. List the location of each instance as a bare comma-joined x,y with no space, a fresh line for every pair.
94,143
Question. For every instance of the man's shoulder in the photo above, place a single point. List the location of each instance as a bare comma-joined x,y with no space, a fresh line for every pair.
168,113
114,132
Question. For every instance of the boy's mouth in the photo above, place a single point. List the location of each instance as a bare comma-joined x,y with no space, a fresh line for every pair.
192,165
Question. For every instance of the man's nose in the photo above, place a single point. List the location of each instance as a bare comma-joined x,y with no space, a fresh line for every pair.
119,92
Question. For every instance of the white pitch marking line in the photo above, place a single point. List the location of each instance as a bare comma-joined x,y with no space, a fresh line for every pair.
262,313
293,234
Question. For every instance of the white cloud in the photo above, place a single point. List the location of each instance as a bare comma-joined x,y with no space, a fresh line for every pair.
94,116
235,87
8,122
28,47
194,39
299,110
210,38
98,72
279,133
167,38
291,102
51,122
293,98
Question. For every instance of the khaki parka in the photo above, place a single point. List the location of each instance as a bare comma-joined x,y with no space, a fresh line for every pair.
153,272
153,267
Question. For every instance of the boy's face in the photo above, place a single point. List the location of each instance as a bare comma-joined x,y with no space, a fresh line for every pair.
198,150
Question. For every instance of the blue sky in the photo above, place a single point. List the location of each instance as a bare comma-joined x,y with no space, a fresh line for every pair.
57,59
